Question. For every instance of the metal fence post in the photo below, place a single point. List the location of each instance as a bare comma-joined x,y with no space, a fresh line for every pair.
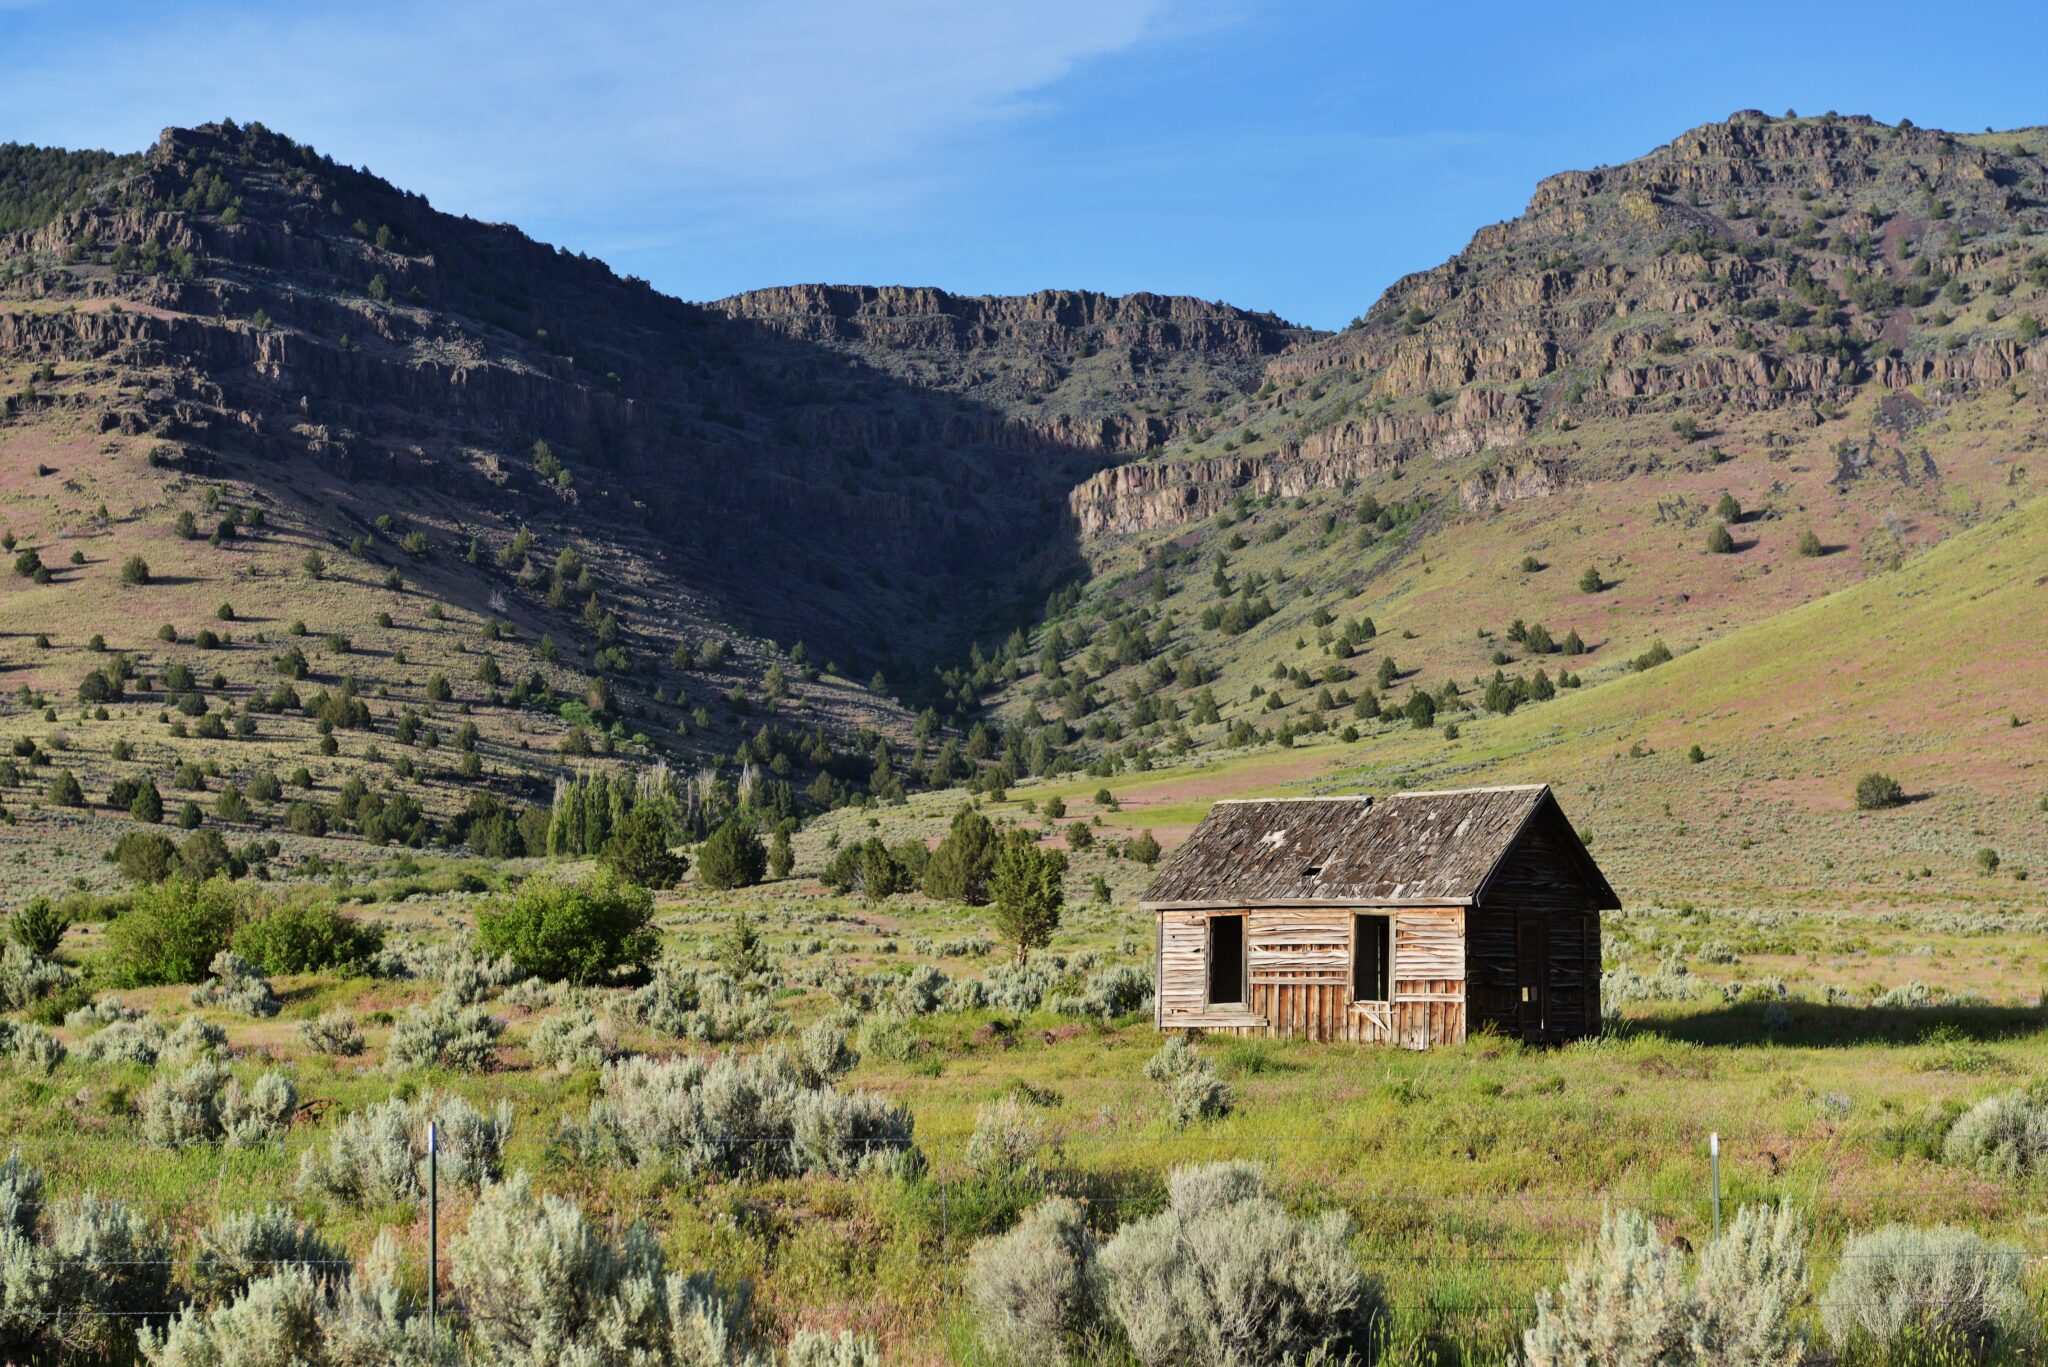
1714,1161
433,1229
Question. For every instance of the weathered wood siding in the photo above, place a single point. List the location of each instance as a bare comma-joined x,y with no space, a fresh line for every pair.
1300,981
1534,941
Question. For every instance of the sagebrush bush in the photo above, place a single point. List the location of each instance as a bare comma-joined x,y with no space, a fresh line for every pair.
24,1046
683,1003
1622,1301
441,1034
246,1246
765,1116
333,1032
79,1295
105,1011
580,932
808,1348
463,973
1225,1275
307,937
917,993
380,1154
1942,1281
543,1286
26,978
206,1104
172,931
21,1196
822,1048
192,1041
570,1040
125,1041
1112,993
1010,1143
236,985
1037,1291
1193,1091
297,1317
1751,1285
2001,1136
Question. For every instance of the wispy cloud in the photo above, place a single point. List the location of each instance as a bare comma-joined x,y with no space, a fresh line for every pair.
611,115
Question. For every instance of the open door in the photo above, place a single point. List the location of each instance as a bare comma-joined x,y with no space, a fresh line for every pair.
1532,975
1226,961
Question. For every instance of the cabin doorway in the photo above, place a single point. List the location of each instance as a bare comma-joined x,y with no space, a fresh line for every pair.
1532,975
1372,955
1226,961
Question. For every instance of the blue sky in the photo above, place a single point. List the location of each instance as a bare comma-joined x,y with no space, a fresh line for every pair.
1297,157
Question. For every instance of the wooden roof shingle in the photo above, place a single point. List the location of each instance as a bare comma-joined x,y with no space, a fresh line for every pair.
1413,848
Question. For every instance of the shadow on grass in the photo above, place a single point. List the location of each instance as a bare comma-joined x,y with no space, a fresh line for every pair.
1816,1025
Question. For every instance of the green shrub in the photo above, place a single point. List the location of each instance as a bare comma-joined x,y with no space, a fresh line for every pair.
38,927
1875,792
306,937
172,932
641,850
145,856
733,857
574,932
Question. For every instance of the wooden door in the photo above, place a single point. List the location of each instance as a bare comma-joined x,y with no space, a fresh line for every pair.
1532,974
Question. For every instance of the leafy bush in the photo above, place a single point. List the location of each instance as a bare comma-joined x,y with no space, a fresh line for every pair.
544,1286
1943,1281
172,932
1224,1275
765,1116
1037,1291
576,932
307,937
333,1032
206,1104
1875,792
236,985
2001,1136
443,1034
381,1154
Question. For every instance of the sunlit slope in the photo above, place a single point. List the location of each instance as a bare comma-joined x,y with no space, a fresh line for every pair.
1920,673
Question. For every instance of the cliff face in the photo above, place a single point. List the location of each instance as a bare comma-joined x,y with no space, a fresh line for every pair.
873,470
1750,266
1114,374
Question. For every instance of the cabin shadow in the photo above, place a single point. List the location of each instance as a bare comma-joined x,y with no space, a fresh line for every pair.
1816,1025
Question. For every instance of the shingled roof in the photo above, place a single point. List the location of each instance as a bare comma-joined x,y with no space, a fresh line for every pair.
1411,848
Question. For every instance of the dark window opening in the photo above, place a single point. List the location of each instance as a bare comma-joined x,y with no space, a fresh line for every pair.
1226,961
1372,957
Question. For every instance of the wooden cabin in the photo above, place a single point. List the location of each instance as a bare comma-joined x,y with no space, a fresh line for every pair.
1413,920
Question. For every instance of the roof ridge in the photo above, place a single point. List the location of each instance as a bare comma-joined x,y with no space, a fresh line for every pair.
1463,792
1324,797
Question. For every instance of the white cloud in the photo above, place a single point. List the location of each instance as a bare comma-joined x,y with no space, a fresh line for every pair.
595,113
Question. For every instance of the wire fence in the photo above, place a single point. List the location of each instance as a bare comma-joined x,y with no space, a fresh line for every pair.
1452,1261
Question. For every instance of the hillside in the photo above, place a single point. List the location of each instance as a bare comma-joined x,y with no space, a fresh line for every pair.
1928,673
1831,324
1674,398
